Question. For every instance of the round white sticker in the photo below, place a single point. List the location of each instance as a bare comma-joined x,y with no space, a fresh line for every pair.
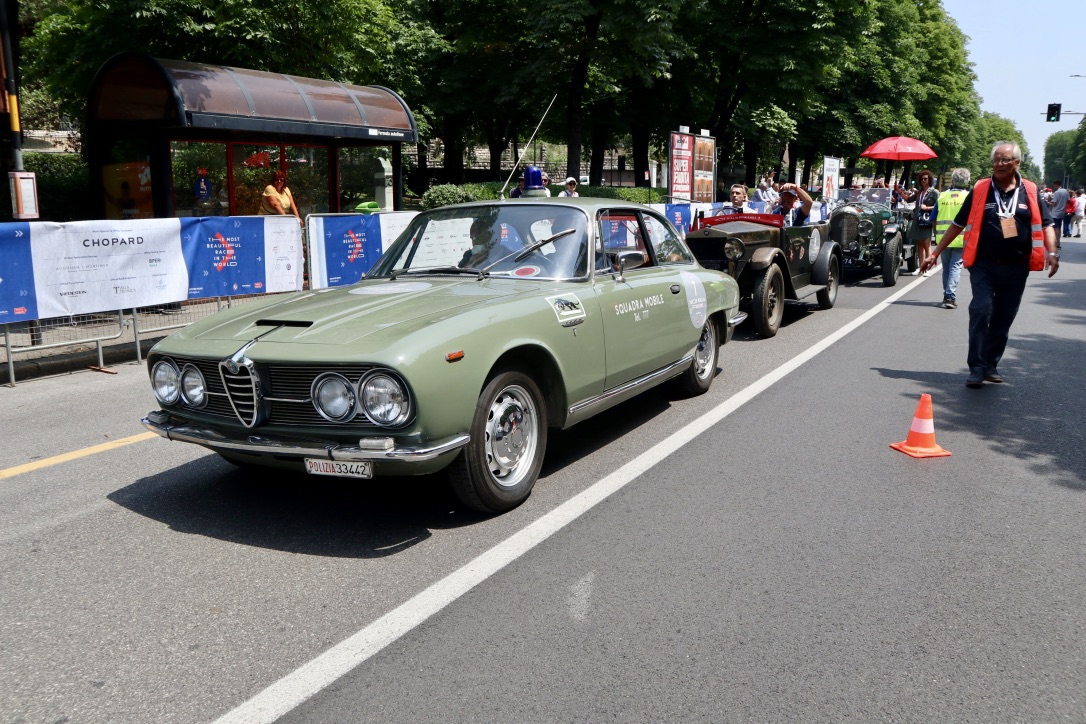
816,244
695,299
390,288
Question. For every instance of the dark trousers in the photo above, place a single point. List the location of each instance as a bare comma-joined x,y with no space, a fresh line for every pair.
997,294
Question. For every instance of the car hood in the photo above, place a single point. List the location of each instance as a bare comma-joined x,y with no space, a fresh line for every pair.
345,315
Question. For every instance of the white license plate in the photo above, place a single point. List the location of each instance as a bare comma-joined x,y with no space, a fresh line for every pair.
316,466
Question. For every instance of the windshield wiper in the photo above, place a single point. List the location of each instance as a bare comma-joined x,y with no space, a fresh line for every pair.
435,270
525,253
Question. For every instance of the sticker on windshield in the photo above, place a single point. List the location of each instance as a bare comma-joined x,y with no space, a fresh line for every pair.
568,309
529,270
695,299
391,288
816,244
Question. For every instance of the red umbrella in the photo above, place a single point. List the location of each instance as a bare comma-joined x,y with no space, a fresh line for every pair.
899,148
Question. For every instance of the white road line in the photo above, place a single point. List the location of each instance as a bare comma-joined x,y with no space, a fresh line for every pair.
298,686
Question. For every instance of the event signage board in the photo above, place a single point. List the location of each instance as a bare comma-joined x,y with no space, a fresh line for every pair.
831,170
84,267
343,247
681,166
704,169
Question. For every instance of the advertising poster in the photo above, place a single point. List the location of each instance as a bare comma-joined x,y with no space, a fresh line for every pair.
82,267
831,170
127,188
228,256
18,301
681,166
704,169
343,248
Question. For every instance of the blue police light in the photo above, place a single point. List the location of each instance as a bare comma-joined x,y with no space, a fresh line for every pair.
533,179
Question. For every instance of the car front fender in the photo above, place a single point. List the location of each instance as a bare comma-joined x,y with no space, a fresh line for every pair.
763,257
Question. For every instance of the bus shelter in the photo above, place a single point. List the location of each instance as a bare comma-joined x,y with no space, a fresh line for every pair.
173,138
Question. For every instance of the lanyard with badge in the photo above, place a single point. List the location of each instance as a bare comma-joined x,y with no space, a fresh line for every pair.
1006,212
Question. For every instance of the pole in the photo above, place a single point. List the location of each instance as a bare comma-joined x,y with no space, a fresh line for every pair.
11,89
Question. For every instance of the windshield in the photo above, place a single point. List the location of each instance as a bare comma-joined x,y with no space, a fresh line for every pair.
494,239
875,196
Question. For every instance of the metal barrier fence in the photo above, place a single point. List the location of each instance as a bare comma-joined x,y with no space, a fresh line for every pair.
46,338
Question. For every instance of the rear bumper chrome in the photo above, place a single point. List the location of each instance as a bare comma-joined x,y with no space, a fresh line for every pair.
159,422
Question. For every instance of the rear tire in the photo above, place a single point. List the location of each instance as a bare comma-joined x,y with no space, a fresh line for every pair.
828,296
769,302
497,469
891,261
699,377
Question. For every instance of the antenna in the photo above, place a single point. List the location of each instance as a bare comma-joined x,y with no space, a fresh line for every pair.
527,146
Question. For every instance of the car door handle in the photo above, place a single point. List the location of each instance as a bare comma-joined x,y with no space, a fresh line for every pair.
675,289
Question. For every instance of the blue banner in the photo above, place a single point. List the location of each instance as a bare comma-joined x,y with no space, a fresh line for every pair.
224,255
17,298
350,245
680,216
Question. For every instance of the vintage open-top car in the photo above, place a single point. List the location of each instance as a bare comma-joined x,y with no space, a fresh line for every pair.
771,263
872,235
480,327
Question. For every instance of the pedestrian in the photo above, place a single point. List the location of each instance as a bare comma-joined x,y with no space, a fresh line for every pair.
518,190
924,200
546,183
571,188
794,215
950,202
1080,210
1005,239
277,199
1058,207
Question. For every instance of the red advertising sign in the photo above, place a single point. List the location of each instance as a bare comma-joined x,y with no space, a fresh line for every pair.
681,167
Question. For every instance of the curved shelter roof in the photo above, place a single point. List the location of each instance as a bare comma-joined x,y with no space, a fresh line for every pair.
178,94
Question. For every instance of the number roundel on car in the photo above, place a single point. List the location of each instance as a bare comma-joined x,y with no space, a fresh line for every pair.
695,299
816,245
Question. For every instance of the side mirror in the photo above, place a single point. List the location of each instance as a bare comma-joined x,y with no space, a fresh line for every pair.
628,260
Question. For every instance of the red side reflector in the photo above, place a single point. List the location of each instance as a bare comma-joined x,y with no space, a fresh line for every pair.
454,356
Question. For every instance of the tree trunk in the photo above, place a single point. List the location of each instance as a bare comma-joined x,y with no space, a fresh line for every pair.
750,160
578,79
599,152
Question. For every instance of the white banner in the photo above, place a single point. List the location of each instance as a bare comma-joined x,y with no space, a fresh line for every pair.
84,267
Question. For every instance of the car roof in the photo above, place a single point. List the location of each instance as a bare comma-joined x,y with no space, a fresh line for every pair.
589,204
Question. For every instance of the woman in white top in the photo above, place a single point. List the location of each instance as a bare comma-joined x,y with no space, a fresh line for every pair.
571,187
277,198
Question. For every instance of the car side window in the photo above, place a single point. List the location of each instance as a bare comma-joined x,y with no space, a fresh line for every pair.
667,247
620,231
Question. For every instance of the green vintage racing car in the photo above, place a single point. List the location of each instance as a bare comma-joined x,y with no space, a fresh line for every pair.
480,327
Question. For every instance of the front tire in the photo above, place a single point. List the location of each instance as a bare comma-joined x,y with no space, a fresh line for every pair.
828,296
699,377
497,469
769,302
891,261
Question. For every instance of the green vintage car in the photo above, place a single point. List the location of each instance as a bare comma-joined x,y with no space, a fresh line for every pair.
479,328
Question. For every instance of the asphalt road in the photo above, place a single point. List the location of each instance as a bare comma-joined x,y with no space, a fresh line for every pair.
784,564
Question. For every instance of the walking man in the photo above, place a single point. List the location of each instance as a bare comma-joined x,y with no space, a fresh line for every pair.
950,202
1059,207
1008,234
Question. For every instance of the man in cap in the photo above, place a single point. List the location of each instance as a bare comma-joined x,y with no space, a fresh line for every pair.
794,215
571,188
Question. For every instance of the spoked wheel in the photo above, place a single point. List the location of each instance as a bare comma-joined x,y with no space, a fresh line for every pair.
769,302
699,377
891,261
828,296
499,466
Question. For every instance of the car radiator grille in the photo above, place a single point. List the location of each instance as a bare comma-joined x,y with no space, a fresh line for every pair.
844,228
285,392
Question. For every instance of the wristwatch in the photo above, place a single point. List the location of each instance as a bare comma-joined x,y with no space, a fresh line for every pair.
1054,255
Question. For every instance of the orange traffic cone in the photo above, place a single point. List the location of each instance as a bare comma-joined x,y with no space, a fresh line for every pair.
921,442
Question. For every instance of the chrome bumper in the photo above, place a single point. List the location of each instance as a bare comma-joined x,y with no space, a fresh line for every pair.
159,423
737,319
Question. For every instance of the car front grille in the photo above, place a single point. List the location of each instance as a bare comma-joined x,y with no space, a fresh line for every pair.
270,395
844,228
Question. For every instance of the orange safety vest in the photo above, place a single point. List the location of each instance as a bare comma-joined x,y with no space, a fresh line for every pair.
976,215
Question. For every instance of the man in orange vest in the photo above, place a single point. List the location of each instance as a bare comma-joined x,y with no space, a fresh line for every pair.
1008,234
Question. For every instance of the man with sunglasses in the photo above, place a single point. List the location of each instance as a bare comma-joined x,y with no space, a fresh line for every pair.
1008,234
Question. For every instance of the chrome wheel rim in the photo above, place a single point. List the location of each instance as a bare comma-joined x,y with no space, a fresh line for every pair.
511,436
703,355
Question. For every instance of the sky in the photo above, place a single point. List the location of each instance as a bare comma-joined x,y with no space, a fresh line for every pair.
1024,56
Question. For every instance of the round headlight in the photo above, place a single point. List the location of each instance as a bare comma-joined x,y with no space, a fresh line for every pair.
333,396
734,249
193,387
164,380
865,227
384,399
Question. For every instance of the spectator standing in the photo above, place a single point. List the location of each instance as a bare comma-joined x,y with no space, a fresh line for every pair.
277,198
1058,207
1005,240
763,193
1080,211
950,202
924,200
546,183
794,215
1069,212
518,190
570,189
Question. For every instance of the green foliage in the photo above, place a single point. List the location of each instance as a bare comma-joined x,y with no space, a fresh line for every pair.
445,194
63,180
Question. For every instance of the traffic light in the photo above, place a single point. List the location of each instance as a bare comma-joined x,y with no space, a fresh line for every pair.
1053,112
